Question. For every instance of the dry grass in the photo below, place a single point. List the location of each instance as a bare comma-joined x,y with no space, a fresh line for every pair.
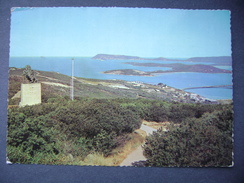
97,159
12,106
225,101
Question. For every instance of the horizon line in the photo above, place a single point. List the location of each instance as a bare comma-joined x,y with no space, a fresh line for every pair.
123,55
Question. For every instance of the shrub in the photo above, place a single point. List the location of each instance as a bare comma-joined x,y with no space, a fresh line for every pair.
29,137
205,141
88,119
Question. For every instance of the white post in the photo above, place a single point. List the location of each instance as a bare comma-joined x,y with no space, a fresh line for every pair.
72,80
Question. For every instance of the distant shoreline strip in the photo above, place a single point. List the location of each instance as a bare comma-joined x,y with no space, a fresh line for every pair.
218,86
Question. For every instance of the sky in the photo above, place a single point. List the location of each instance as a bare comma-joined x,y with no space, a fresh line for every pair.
144,32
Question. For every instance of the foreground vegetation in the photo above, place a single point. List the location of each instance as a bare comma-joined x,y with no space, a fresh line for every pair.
90,131
44,133
203,141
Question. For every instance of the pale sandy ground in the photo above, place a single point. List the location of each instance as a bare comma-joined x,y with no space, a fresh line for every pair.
137,155
147,129
56,84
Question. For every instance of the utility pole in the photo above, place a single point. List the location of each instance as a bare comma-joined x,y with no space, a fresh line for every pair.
72,81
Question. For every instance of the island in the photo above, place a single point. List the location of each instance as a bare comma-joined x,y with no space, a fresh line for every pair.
130,72
176,67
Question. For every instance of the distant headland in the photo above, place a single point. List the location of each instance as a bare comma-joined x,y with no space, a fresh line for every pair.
220,60
116,57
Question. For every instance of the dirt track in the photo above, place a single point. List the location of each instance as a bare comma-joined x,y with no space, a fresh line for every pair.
137,155
147,129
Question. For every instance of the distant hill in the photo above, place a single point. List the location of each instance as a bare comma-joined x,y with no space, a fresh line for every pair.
222,60
166,59
115,57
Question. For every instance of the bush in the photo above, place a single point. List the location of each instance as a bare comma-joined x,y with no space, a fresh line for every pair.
205,141
64,127
29,137
104,142
157,112
91,118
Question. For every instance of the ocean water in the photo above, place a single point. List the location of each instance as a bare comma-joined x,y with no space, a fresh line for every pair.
89,68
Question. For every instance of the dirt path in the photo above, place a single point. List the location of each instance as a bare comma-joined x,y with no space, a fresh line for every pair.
137,155
149,130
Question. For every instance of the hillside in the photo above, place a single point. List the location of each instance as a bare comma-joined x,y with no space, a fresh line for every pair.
56,84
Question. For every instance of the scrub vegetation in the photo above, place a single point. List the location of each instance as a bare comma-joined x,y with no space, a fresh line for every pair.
203,140
90,131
